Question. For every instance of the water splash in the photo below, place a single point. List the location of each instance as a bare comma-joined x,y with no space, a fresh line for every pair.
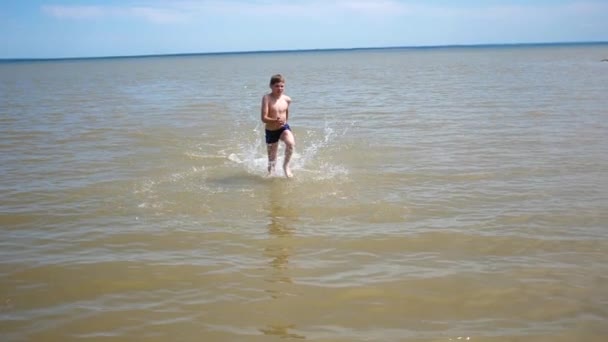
312,158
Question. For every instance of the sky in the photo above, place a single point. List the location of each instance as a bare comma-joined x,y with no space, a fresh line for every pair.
90,28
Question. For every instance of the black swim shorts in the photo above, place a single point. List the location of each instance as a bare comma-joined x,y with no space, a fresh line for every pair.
274,136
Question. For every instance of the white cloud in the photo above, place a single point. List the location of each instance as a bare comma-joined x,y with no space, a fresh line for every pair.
152,14
182,11
75,12
168,12
385,7
158,15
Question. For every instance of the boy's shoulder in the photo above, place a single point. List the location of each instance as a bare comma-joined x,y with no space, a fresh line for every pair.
283,97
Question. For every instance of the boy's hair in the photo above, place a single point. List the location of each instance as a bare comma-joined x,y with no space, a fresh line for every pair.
276,79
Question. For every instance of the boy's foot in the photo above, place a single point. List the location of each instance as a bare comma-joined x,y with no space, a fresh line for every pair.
271,168
288,173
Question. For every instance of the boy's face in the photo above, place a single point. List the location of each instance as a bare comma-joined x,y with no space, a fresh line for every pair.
277,88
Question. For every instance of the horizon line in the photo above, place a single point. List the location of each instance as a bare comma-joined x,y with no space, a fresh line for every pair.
476,45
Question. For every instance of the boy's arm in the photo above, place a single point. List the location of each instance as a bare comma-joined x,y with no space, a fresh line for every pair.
264,111
287,111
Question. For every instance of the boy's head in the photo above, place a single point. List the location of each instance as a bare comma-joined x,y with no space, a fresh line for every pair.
278,78
277,84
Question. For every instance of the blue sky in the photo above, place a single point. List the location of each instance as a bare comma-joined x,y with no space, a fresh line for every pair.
69,28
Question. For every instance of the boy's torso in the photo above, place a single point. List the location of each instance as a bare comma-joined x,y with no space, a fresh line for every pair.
277,108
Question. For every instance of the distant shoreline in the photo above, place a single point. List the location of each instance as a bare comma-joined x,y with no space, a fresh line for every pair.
422,47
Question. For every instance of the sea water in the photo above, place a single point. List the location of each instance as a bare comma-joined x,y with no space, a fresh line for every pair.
440,194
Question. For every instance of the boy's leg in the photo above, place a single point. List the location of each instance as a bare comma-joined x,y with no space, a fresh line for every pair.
272,156
290,144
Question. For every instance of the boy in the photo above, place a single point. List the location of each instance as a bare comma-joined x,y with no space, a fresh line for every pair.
275,112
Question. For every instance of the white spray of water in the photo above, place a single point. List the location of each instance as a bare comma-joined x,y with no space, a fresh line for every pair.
312,157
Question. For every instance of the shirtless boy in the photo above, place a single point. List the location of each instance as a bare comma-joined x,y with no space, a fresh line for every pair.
275,112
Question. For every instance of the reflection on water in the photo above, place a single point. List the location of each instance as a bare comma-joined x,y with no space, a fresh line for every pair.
281,215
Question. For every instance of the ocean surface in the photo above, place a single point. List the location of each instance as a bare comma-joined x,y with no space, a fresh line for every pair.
440,194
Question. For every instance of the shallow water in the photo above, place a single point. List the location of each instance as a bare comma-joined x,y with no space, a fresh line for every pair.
440,194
